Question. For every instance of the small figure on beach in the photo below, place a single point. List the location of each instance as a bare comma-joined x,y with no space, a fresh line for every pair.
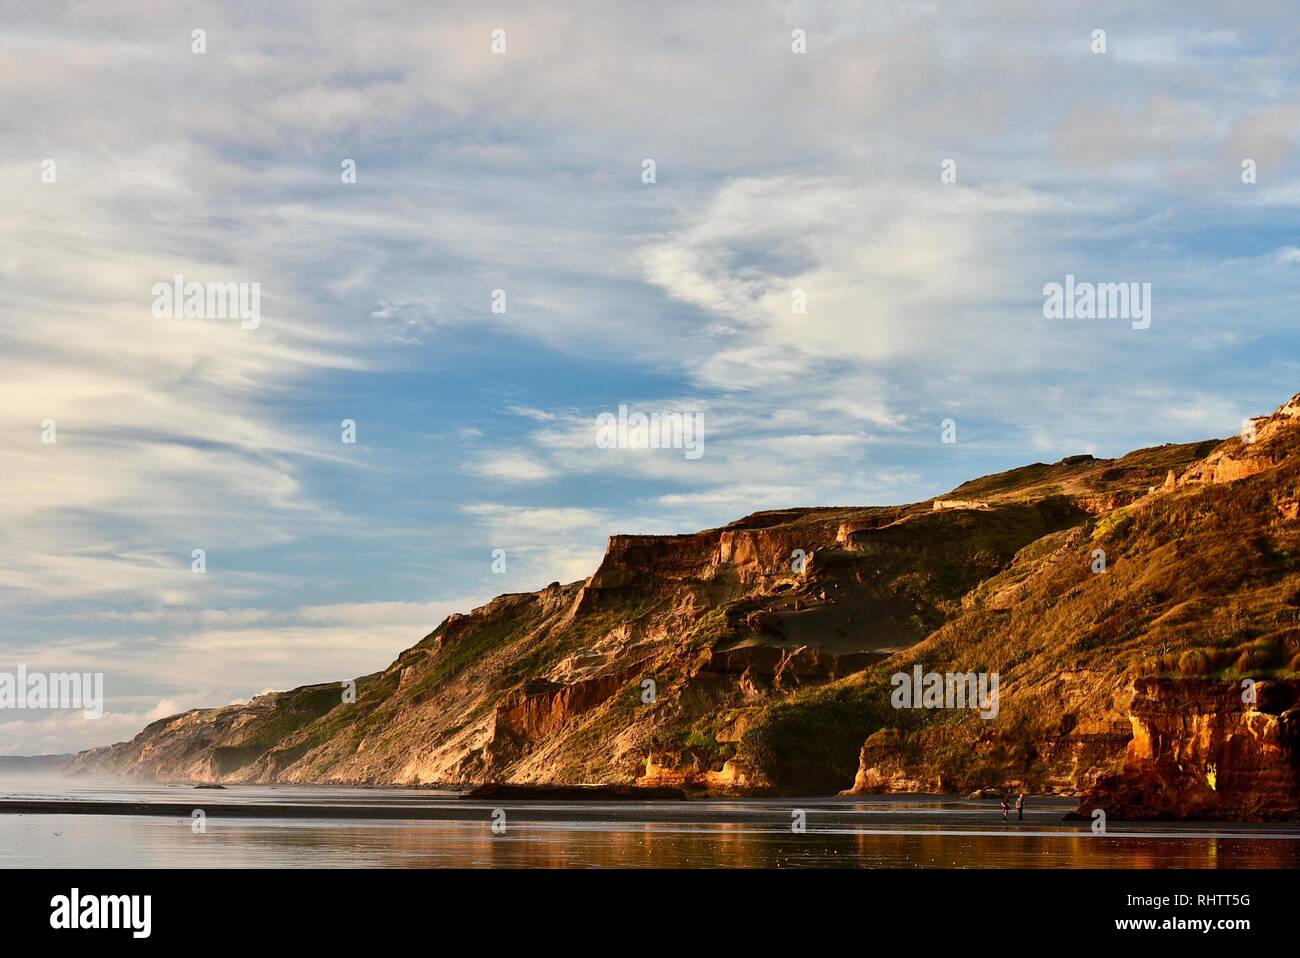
1020,806
1006,807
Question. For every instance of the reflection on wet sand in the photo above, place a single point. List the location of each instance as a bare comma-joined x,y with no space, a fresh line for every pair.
885,831
75,841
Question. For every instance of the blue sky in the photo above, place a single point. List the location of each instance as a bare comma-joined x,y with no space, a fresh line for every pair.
521,171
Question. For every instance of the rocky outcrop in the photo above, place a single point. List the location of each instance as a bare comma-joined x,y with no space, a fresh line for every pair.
541,707
887,763
782,668
1210,750
1265,443
734,776
942,504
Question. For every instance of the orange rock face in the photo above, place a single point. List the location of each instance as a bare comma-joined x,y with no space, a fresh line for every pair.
543,708
1199,751
734,776
758,655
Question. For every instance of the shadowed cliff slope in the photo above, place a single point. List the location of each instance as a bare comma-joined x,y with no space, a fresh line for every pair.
759,655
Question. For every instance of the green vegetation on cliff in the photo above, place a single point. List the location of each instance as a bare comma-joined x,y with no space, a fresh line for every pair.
715,660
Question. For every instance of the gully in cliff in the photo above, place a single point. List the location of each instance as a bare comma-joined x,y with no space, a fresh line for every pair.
946,690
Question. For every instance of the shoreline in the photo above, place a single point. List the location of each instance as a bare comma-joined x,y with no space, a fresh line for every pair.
1044,817
564,803
463,808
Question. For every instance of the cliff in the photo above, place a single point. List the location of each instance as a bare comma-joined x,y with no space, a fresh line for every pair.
759,656
1207,749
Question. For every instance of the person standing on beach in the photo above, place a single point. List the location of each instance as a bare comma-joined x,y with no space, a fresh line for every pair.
1006,807
1020,806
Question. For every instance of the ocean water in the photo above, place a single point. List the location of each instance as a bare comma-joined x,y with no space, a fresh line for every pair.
880,831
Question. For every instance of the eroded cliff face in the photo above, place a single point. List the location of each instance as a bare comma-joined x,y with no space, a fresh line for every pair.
758,656
1266,442
1207,749
1117,678
666,648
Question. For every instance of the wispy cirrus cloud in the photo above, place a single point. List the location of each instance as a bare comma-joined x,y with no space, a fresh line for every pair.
478,172
209,658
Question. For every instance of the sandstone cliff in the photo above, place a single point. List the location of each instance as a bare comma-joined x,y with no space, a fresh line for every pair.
759,655
1207,749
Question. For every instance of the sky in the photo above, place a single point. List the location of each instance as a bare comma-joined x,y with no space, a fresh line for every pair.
918,174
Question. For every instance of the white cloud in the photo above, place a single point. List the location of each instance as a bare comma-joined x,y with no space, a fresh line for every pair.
510,466
207,658
478,172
